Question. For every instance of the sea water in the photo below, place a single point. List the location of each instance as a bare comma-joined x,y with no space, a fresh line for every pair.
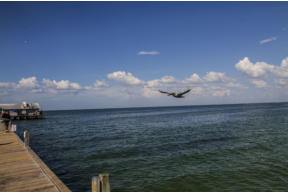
191,148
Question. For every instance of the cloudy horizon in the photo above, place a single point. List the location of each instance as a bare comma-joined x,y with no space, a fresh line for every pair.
127,86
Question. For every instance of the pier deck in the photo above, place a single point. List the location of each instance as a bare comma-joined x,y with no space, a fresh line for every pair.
21,170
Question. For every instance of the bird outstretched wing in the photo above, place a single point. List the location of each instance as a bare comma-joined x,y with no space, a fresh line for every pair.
182,93
164,92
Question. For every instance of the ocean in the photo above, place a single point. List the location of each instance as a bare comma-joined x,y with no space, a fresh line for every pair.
235,148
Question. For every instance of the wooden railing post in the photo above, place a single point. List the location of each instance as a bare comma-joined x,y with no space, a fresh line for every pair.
101,183
95,184
26,138
104,181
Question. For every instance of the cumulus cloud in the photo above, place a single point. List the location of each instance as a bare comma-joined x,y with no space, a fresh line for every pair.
267,40
140,88
256,70
284,63
125,78
194,78
216,77
208,83
27,83
148,53
164,81
260,70
281,71
259,83
31,85
61,85
168,79
100,84
75,85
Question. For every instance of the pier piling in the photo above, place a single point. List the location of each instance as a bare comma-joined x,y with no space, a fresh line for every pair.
101,183
26,138
95,184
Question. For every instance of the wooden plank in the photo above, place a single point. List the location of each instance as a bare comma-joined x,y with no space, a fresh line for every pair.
22,170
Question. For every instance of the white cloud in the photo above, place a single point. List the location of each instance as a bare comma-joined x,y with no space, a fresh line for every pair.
267,40
216,77
30,82
215,81
148,89
196,90
100,84
260,70
284,62
126,78
221,93
168,79
6,87
256,70
148,53
75,85
31,85
194,78
281,71
164,81
154,83
150,92
61,85
259,83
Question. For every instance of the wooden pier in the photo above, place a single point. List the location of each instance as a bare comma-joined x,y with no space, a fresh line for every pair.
21,170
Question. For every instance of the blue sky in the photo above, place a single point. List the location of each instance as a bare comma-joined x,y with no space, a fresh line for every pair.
118,54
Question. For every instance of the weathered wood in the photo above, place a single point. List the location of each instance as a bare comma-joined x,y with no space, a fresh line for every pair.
101,183
26,138
95,184
104,181
22,170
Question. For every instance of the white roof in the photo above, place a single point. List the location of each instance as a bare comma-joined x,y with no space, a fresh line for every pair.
19,106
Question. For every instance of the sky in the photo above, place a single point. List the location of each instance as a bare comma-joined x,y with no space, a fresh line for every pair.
86,55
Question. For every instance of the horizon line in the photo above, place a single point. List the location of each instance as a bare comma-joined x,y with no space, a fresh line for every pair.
248,103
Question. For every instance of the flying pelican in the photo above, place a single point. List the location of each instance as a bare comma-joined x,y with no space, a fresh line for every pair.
176,95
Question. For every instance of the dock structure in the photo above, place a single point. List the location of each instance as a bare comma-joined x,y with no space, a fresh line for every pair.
21,111
21,170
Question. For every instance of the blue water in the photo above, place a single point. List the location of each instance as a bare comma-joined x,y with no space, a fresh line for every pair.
191,148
